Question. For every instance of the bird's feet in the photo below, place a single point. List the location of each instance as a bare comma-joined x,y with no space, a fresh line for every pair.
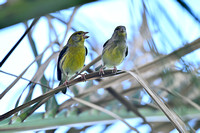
66,83
83,76
101,71
114,70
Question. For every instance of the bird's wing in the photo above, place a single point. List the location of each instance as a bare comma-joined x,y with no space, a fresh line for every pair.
126,53
62,52
106,46
86,51
105,43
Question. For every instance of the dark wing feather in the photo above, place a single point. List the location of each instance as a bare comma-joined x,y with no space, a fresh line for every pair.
86,51
126,53
62,52
105,43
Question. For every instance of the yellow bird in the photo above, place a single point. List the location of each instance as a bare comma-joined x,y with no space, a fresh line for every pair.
72,57
115,49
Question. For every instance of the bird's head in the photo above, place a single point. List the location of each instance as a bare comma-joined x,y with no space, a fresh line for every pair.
78,36
120,32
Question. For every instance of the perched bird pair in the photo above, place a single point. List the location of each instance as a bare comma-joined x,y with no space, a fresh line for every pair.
72,57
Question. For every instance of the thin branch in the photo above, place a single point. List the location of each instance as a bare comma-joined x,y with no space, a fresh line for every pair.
13,48
103,110
158,63
172,116
70,23
87,66
91,76
24,79
186,99
187,8
127,104
17,79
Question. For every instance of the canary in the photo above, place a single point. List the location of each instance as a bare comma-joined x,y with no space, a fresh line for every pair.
72,57
115,49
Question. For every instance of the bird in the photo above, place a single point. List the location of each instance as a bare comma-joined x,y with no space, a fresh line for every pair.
71,59
115,50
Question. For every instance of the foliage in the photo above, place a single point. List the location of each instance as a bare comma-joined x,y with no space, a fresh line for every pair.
158,79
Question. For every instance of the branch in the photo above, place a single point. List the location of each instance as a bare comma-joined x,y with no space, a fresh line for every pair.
22,10
147,67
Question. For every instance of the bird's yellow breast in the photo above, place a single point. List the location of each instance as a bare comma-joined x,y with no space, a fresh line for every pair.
73,60
114,56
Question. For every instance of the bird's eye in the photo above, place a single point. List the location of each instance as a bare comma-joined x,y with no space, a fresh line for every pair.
117,28
79,33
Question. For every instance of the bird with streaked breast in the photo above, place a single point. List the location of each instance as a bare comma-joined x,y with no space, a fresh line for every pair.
72,57
114,50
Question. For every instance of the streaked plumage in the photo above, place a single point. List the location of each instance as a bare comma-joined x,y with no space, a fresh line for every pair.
115,49
72,57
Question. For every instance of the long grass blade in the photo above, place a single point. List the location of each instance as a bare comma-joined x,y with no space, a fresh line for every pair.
18,78
177,122
103,110
184,98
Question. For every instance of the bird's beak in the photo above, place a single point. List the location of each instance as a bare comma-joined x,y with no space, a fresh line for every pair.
122,29
84,35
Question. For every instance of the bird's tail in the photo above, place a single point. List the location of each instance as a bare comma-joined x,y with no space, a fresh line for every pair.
60,83
64,90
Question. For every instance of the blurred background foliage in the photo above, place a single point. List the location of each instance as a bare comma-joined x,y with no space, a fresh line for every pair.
163,41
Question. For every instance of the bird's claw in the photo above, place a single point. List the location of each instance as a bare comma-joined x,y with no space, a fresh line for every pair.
114,70
83,76
101,71
66,83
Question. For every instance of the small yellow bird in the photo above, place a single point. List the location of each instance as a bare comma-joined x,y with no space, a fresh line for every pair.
115,49
72,57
